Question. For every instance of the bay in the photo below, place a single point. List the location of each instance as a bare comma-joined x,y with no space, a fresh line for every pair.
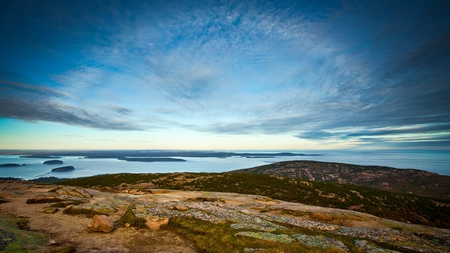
434,161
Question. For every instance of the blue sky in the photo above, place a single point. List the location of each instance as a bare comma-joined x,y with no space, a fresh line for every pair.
224,74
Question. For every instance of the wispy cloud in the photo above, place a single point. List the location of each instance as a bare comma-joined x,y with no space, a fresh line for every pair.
30,88
24,101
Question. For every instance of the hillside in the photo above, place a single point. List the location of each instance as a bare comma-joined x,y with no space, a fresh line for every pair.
407,181
57,219
402,207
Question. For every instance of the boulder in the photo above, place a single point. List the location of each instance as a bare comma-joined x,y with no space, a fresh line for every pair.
156,223
101,223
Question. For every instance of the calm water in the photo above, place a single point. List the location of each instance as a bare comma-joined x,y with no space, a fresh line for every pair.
438,162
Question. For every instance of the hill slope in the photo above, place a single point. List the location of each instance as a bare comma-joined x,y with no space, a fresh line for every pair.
397,206
193,221
408,181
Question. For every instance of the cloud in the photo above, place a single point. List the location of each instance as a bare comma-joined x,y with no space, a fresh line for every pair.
31,88
344,71
25,102
425,136
121,110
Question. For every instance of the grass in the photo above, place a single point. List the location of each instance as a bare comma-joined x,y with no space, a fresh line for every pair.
385,204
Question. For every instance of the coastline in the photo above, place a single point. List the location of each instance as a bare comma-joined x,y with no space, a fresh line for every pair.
437,162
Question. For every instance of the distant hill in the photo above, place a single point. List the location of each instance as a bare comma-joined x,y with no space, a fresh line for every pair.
408,181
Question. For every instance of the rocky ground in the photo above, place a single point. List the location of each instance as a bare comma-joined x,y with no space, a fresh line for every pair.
63,213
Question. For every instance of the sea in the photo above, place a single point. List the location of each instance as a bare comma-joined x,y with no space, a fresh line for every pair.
433,161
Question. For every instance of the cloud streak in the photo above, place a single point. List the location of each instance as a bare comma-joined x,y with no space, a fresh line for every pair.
23,101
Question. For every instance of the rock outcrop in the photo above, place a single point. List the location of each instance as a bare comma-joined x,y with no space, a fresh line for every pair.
52,198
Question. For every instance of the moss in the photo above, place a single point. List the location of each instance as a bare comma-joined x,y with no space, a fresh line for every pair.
130,218
25,240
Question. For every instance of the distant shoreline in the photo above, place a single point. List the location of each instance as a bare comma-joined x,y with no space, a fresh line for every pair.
131,154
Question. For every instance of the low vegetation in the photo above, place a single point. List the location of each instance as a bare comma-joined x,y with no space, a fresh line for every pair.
408,181
210,237
402,207
130,219
18,238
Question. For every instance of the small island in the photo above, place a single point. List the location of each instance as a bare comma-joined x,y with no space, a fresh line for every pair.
53,162
151,159
63,169
7,165
39,156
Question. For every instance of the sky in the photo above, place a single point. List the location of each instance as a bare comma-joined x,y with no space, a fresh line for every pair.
225,75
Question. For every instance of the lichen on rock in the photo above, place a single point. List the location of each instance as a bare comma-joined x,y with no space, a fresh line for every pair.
320,241
282,238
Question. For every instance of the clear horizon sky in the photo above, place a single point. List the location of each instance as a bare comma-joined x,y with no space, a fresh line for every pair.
297,75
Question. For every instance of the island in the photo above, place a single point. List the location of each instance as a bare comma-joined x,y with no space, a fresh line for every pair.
151,159
53,162
63,169
7,165
39,156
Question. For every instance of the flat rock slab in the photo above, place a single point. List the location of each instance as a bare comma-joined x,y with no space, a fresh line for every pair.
52,198
320,241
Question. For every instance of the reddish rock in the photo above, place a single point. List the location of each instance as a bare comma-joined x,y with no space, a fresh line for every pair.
156,223
101,223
